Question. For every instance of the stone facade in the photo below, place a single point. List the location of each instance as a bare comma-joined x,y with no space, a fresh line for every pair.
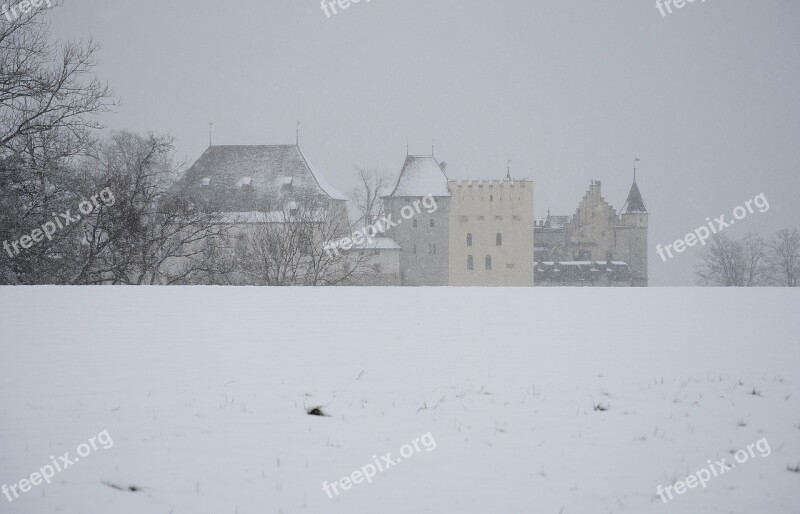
423,238
491,233
596,234
481,233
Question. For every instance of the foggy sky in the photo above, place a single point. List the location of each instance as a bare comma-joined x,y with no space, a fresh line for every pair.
569,90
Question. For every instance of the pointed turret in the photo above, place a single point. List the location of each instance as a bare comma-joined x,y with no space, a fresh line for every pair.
632,235
634,204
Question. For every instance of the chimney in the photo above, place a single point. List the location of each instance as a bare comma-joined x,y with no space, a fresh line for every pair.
443,165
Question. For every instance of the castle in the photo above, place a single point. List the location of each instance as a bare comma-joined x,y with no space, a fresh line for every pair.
484,234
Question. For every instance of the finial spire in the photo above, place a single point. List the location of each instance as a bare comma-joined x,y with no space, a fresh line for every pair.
210,125
297,135
508,170
635,160
407,147
433,149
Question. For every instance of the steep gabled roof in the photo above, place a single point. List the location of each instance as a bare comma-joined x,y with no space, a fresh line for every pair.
421,175
246,178
635,203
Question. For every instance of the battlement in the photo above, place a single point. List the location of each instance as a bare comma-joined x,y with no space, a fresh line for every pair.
489,183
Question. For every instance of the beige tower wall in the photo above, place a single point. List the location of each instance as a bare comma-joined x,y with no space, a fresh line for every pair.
484,209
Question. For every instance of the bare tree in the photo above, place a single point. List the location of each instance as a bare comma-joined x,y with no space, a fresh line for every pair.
729,263
784,258
48,102
286,246
147,236
367,195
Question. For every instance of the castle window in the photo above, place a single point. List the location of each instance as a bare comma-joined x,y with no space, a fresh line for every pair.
491,198
415,224
487,262
414,249
498,218
499,239
431,223
511,266
463,219
516,218
481,218
470,265
469,239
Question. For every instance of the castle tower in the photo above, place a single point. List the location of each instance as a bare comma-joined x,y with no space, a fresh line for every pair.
491,232
632,235
423,237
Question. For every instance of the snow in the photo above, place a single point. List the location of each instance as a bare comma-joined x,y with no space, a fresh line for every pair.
421,176
204,391
378,243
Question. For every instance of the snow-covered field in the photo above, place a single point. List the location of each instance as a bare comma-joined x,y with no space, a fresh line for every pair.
204,392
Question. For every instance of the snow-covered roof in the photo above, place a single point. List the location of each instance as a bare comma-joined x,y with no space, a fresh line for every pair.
269,217
217,177
379,243
375,243
578,271
421,176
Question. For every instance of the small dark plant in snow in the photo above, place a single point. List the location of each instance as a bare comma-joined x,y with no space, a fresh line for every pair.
316,411
601,407
755,392
129,488
795,469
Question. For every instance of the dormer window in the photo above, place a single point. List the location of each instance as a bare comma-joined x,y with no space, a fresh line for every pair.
205,182
293,208
246,182
285,182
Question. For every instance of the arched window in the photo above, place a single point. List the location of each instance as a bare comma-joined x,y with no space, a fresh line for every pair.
431,222
415,224
469,239
415,249
470,266
488,262
499,239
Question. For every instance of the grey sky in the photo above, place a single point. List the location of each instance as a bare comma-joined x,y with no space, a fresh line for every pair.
569,90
